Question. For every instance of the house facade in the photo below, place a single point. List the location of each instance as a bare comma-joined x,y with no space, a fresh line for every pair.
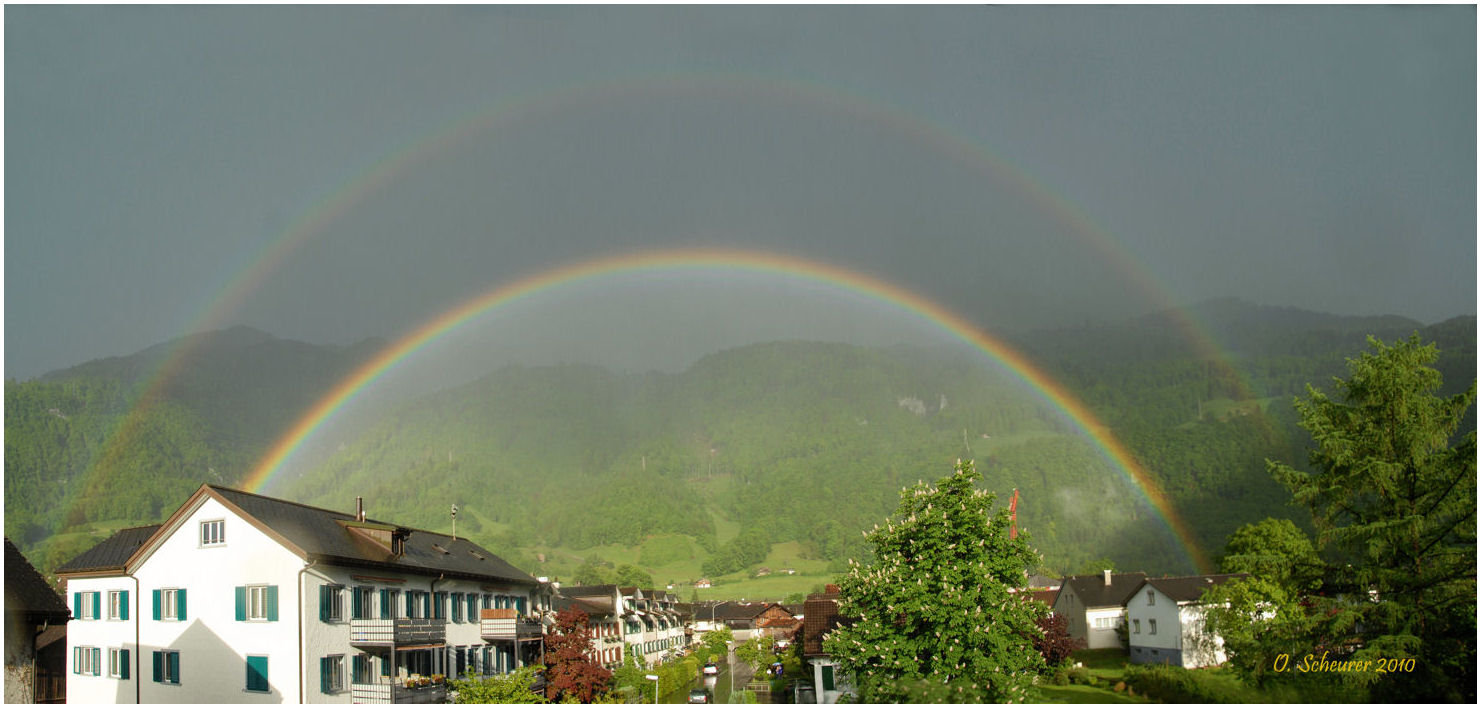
241,598
1094,606
35,634
1165,619
820,616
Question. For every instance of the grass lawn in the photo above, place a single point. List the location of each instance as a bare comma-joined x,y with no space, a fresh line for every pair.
1083,694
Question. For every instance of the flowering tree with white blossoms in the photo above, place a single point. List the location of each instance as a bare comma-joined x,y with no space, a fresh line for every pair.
931,619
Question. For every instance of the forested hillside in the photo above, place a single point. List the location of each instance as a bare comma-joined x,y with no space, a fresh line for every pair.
791,445
83,455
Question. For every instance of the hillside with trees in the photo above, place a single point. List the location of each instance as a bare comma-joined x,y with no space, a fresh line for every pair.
789,444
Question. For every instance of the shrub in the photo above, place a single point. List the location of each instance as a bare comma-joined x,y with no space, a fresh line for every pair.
1080,675
1175,684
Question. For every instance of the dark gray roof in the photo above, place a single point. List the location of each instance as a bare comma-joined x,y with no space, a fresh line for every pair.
1093,591
729,611
1190,588
28,593
111,553
322,535
592,610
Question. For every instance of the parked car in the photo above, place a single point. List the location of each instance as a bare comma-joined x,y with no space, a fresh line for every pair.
711,669
699,695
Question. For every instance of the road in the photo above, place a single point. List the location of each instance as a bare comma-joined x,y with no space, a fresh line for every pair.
718,686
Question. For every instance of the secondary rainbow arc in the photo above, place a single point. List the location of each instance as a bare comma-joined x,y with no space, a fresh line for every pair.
503,294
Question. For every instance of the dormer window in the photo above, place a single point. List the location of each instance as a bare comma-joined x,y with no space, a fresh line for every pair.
213,533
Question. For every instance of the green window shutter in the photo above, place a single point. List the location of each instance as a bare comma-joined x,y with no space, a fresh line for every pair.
827,677
97,660
97,604
241,603
76,605
357,609
123,605
172,660
324,674
156,608
324,603
159,667
76,660
272,603
257,673
385,603
180,604
123,663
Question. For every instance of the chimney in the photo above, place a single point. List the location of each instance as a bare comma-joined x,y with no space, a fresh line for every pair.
360,509
1108,577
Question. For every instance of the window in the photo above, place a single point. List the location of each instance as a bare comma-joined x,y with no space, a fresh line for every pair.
257,674
439,605
360,669
332,674
86,661
167,667
388,603
361,602
331,603
1136,626
257,603
86,605
118,604
213,533
1151,626
828,677
414,604
118,663
457,607
1151,598
169,604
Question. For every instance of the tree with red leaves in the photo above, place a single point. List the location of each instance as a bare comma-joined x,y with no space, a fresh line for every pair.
569,668
1056,644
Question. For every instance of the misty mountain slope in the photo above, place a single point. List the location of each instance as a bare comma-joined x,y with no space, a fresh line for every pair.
81,452
810,442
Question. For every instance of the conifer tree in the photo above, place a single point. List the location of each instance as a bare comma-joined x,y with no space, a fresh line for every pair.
1394,503
931,618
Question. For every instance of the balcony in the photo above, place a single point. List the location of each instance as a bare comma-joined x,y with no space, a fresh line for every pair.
401,632
505,625
396,693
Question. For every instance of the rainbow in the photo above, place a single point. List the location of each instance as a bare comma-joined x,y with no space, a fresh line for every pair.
386,360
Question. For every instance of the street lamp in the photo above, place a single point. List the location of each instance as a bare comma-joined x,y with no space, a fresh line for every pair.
654,679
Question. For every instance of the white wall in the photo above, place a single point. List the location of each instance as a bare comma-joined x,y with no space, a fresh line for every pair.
104,634
213,645
1163,609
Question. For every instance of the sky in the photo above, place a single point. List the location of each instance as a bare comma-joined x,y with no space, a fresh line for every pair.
330,174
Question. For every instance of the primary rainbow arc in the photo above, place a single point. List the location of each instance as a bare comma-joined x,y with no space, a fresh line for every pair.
386,360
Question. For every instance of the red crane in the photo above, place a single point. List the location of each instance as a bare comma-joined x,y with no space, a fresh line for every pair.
1013,514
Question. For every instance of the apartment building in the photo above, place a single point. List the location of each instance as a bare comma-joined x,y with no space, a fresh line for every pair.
242,598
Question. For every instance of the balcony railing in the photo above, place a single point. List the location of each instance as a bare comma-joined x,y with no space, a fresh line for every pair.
396,693
506,625
401,632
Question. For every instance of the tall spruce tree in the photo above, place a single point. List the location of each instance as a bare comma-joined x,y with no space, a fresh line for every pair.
932,618
1394,502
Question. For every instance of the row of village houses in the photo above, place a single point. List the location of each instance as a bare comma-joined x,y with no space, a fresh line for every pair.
242,598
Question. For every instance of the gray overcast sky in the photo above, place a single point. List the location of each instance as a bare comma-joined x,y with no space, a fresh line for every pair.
1322,158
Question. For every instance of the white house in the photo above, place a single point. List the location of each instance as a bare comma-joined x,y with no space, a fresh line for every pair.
241,598
648,621
1094,606
1166,622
